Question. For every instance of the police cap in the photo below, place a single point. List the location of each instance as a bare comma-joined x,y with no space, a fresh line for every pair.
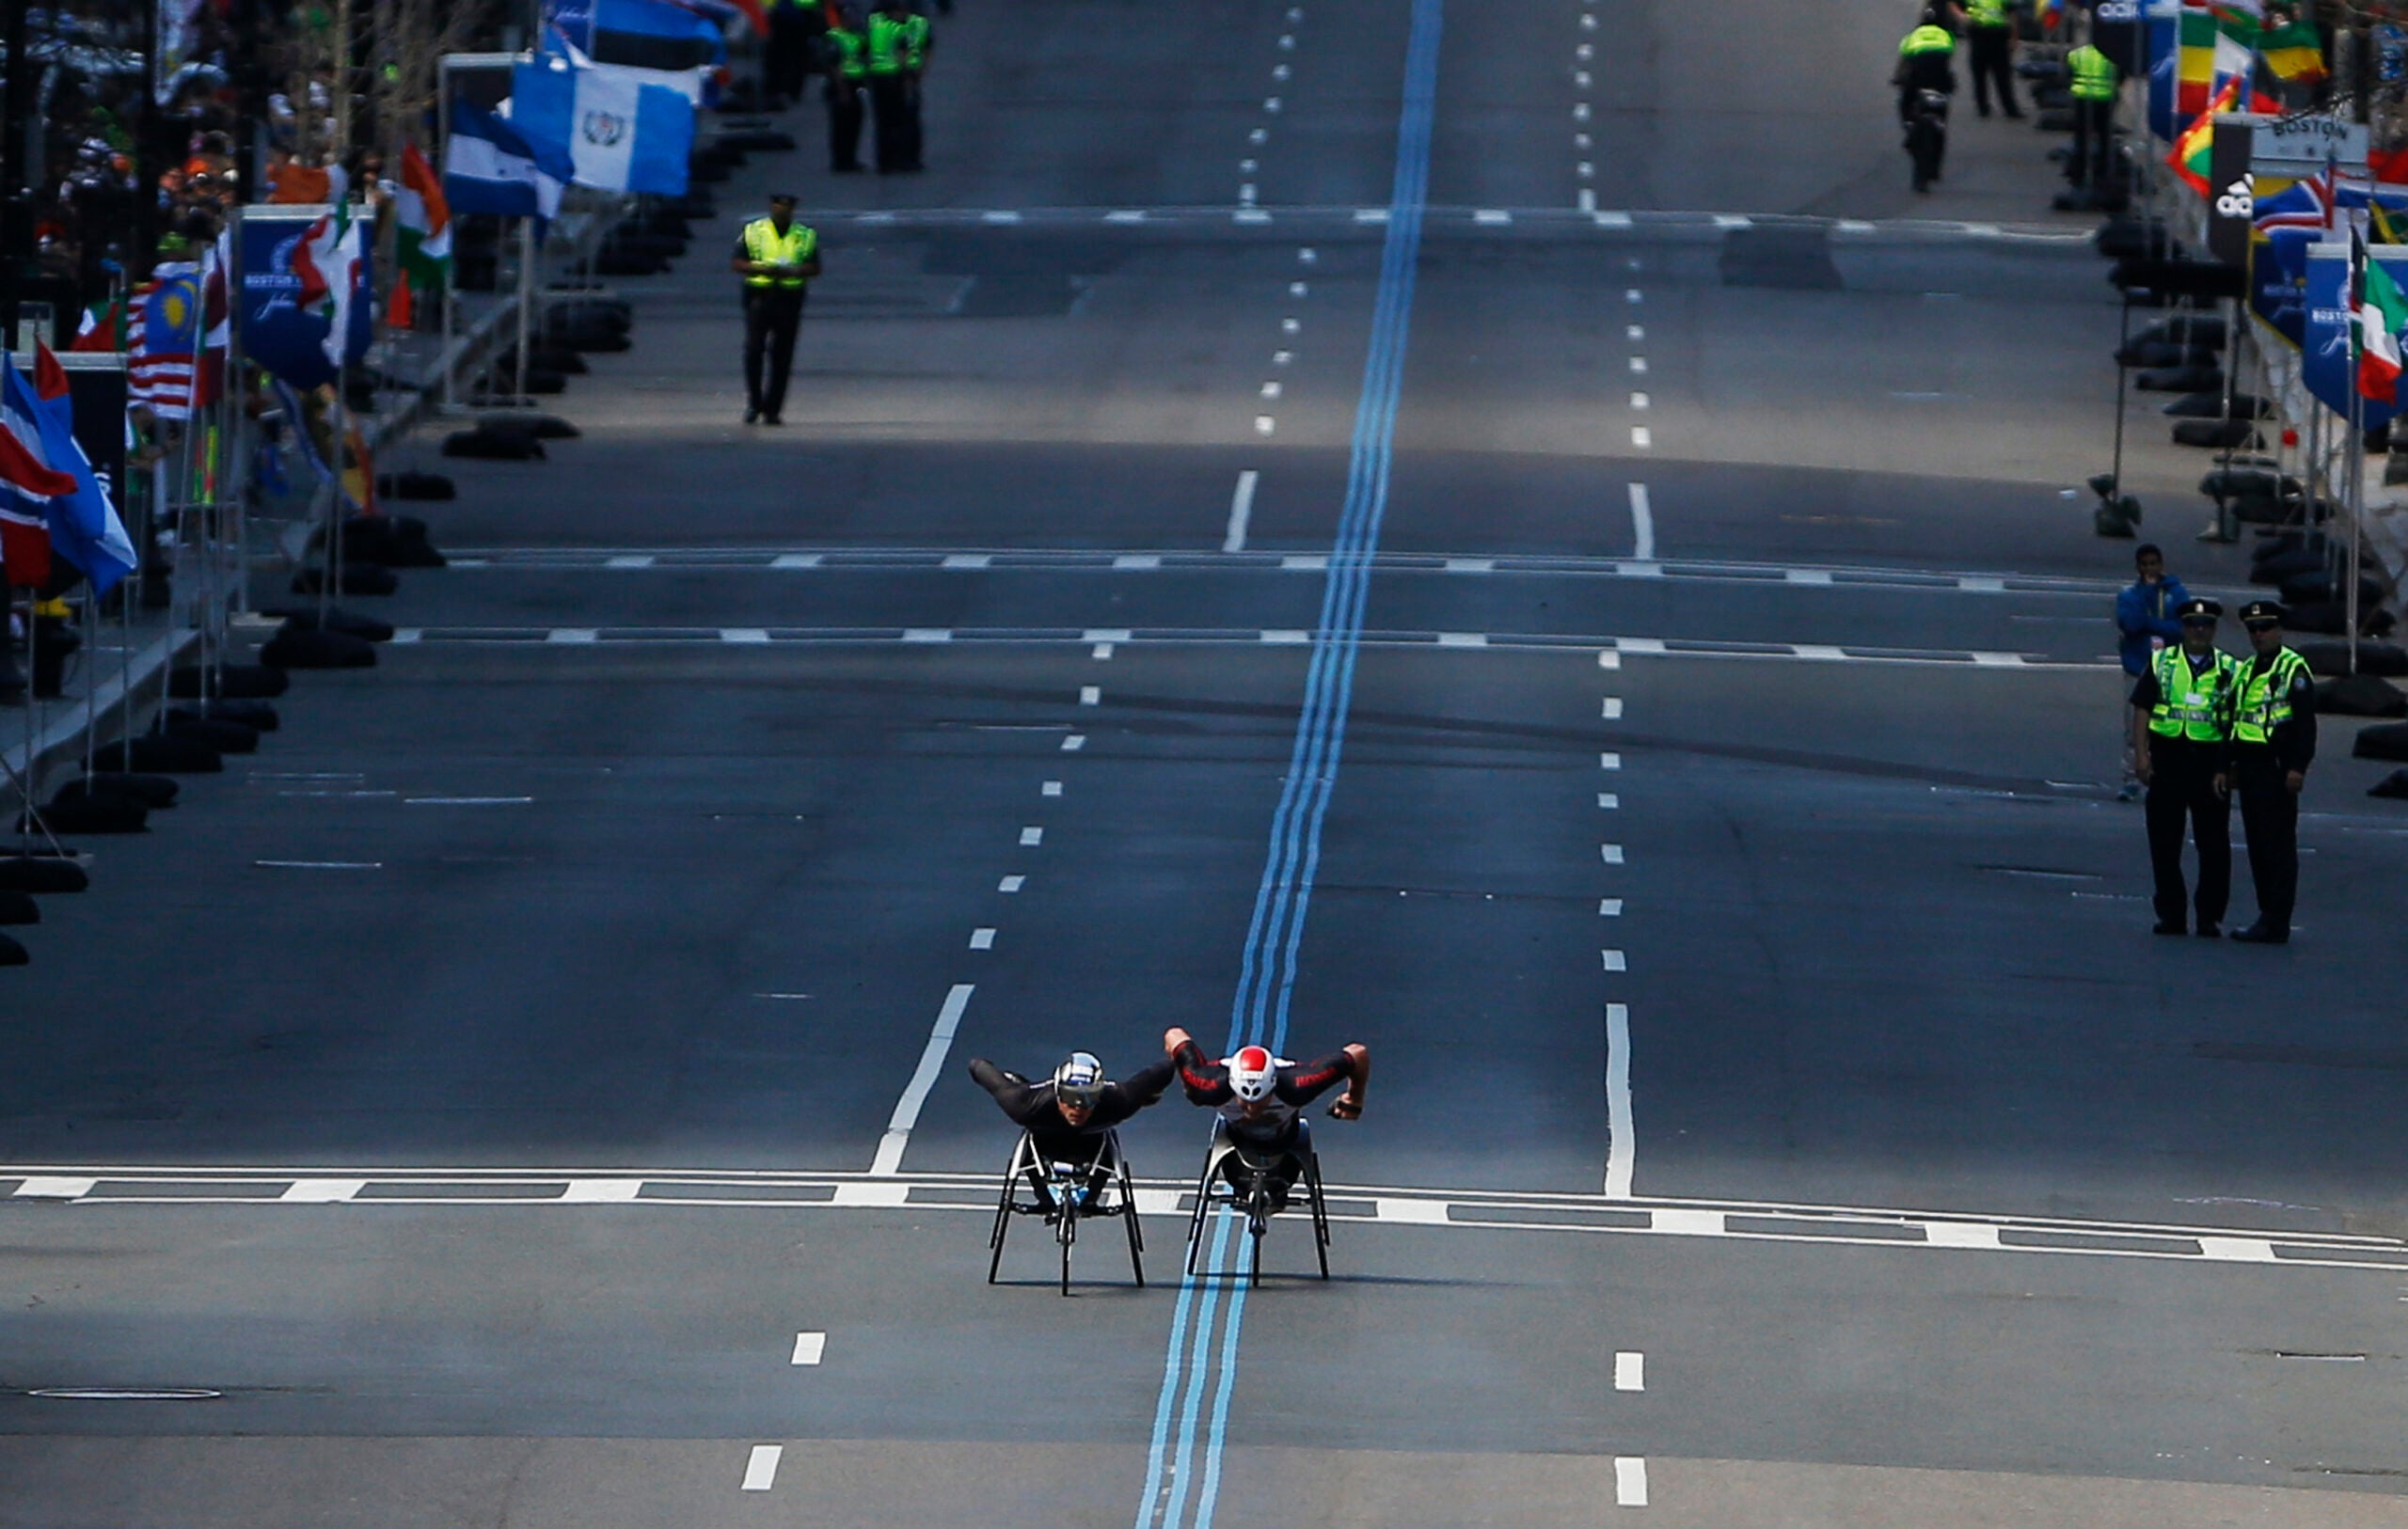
782,198
2262,612
2198,610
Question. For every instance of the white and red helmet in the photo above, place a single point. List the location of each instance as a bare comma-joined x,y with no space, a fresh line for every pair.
1253,1073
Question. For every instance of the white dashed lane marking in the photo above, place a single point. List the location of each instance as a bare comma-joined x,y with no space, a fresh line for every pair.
761,1467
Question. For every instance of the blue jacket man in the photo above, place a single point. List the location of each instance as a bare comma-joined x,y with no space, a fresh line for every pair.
2146,610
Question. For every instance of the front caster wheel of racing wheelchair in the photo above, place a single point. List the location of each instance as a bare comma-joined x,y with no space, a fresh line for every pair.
1066,1192
1239,1178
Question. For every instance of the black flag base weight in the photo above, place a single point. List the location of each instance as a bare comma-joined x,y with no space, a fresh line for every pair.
41,875
19,908
151,791
12,954
230,682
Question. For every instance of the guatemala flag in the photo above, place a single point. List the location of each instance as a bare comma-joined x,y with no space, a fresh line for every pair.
490,167
83,525
621,134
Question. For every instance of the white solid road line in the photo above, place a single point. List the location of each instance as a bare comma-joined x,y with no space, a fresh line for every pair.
1630,1481
1630,1371
889,1159
1642,524
761,1467
1622,1150
810,1347
1241,511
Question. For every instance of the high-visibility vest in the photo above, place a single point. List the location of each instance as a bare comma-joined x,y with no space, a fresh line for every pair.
2265,701
2093,77
849,46
1985,13
2191,705
916,42
886,43
1928,38
765,245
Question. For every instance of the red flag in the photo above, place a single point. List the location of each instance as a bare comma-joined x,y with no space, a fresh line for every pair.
27,482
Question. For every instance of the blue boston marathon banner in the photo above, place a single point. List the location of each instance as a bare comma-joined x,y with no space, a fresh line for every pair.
272,327
2325,363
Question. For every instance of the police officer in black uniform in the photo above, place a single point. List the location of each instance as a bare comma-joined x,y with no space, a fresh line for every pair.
2274,741
2182,710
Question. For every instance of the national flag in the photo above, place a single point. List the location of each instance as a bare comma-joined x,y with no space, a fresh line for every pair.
423,223
2377,314
693,83
332,261
651,33
28,484
2051,14
83,526
2379,223
2209,54
166,337
217,322
2303,204
754,14
303,185
621,134
491,167
2190,156
107,325
2293,53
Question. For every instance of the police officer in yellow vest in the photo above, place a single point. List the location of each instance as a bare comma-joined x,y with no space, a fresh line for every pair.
919,38
846,62
777,258
2274,741
2092,83
1990,27
2183,716
1926,58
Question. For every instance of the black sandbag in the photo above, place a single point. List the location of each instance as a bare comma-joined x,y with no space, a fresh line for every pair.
501,381
41,875
594,340
2233,483
2180,380
2394,785
2215,433
389,542
210,733
621,263
699,205
705,173
19,908
14,954
2285,565
91,814
543,427
2329,657
2331,618
2360,694
2213,406
416,485
627,242
256,715
235,682
2385,740
667,221
349,623
358,579
293,648
576,313
151,754
2203,330
486,445
2318,585
152,790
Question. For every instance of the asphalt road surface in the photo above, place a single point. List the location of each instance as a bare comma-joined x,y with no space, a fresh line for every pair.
1375,520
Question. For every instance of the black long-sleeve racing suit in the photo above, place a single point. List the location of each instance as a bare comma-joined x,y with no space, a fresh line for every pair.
1031,1105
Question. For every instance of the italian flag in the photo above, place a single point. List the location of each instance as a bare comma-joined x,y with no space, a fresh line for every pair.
424,221
2378,313
2190,151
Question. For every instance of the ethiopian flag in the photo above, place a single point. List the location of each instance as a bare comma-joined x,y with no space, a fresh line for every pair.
2190,151
2377,314
2209,51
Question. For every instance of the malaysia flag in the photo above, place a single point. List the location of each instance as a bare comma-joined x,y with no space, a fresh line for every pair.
167,335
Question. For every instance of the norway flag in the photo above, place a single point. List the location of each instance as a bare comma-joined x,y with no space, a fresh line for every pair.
78,522
28,486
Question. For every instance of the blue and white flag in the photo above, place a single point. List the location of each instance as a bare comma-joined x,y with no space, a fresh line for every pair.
84,526
621,132
644,34
491,167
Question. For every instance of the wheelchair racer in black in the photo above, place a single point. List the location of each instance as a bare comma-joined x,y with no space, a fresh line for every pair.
1067,1115
1262,1100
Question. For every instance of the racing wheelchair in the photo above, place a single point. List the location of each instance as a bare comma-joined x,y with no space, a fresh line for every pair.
1066,1192
1241,1179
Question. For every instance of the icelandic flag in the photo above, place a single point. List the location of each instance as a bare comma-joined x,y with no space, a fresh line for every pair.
83,526
490,167
621,132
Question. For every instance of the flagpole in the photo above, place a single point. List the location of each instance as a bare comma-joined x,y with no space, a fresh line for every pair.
526,301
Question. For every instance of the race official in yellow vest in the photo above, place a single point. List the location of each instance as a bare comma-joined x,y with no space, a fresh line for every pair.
1990,32
2182,718
2091,79
777,258
847,65
2274,742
